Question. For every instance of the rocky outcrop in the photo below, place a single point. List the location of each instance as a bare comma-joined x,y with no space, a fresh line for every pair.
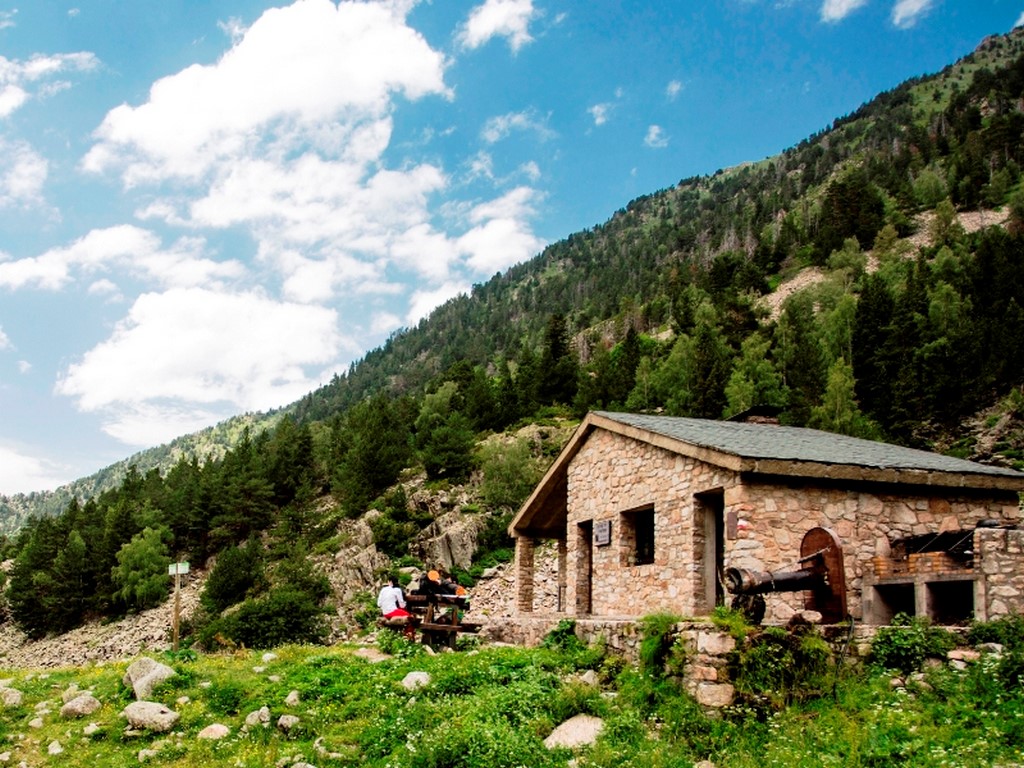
150,716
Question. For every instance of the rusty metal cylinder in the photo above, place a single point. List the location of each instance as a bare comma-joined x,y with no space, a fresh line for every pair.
743,581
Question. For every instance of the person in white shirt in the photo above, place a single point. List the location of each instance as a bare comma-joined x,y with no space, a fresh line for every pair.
391,601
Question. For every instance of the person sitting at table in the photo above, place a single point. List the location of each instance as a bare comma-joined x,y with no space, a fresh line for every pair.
391,601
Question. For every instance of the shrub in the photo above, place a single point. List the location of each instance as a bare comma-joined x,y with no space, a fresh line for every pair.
238,570
1006,630
907,642
563,638
282,616
658,632
776,666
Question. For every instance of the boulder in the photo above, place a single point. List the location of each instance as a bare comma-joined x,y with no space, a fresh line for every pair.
81,706
287,722
10,697
577,731
145,674
150,716
415,680
214,732
259,717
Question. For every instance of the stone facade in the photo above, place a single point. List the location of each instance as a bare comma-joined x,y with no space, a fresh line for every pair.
623,494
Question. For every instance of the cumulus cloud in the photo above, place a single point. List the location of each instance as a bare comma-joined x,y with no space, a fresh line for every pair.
312,74
499,18
655,138
21,472
673,89
498,238
125,247
837,10
5,340
188,357
425,300
906,12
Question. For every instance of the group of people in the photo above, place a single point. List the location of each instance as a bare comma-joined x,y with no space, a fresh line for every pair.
391,599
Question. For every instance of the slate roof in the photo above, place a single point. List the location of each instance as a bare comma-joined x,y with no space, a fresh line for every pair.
766,450
776,442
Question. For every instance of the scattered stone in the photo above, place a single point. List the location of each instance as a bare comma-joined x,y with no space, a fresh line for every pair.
292,700
214,732
287,722
371,654
994,648
145,674
90,729
577,731
715,695
897,682
146,754
963,654
10,697
260,717
5,757
269,657
70,693
259,669
415,680
182,700
704,764
35,722
54,748
274,678
589,677
150,716
81,706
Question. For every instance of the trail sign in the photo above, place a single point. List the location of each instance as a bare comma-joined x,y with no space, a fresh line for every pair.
177,569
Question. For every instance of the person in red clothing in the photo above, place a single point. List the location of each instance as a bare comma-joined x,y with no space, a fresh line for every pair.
391,601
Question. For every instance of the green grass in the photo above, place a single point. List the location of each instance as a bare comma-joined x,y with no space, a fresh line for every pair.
493,708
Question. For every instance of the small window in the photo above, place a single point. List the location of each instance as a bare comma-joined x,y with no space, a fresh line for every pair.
638,537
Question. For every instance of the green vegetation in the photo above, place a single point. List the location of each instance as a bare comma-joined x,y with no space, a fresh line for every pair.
494,707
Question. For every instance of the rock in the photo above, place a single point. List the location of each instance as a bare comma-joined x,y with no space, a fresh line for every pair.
589,677
259,717
214,732
269,657
577,731
71,692
961,654
54,748
292,700
90,729
35,722
145,674
287,722
415,680
10,697
146,754
150,716
993,648
715,695
82,705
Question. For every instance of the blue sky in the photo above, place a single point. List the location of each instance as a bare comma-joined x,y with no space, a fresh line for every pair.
208,208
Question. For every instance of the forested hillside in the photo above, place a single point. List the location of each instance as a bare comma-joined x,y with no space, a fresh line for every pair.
911,334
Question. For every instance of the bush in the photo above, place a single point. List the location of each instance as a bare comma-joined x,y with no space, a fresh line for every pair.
1008,631
239,571
776,667
907,642
658,632
282,616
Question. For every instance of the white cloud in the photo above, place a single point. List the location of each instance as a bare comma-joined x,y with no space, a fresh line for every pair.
424,301
837,10
22,174
499,239
189,356
311,75
906,12
17,77
655,138
499,18
500,127
673,89
600,112
1019,22
24,366
5,340
384,322
7,18
22,473
126,247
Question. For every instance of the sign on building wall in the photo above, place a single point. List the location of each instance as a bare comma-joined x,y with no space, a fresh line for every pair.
603,532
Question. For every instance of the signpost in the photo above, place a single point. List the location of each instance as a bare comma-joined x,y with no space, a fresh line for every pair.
176,570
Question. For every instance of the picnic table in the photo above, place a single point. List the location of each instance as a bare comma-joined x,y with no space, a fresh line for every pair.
437,617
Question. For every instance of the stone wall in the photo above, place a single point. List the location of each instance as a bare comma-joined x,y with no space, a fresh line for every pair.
999,556
613,478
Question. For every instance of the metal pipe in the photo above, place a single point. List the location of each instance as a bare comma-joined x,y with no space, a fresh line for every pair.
743,581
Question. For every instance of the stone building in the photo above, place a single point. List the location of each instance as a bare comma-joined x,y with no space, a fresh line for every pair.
646,514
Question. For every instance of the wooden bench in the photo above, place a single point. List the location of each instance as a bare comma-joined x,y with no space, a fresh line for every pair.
437,628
